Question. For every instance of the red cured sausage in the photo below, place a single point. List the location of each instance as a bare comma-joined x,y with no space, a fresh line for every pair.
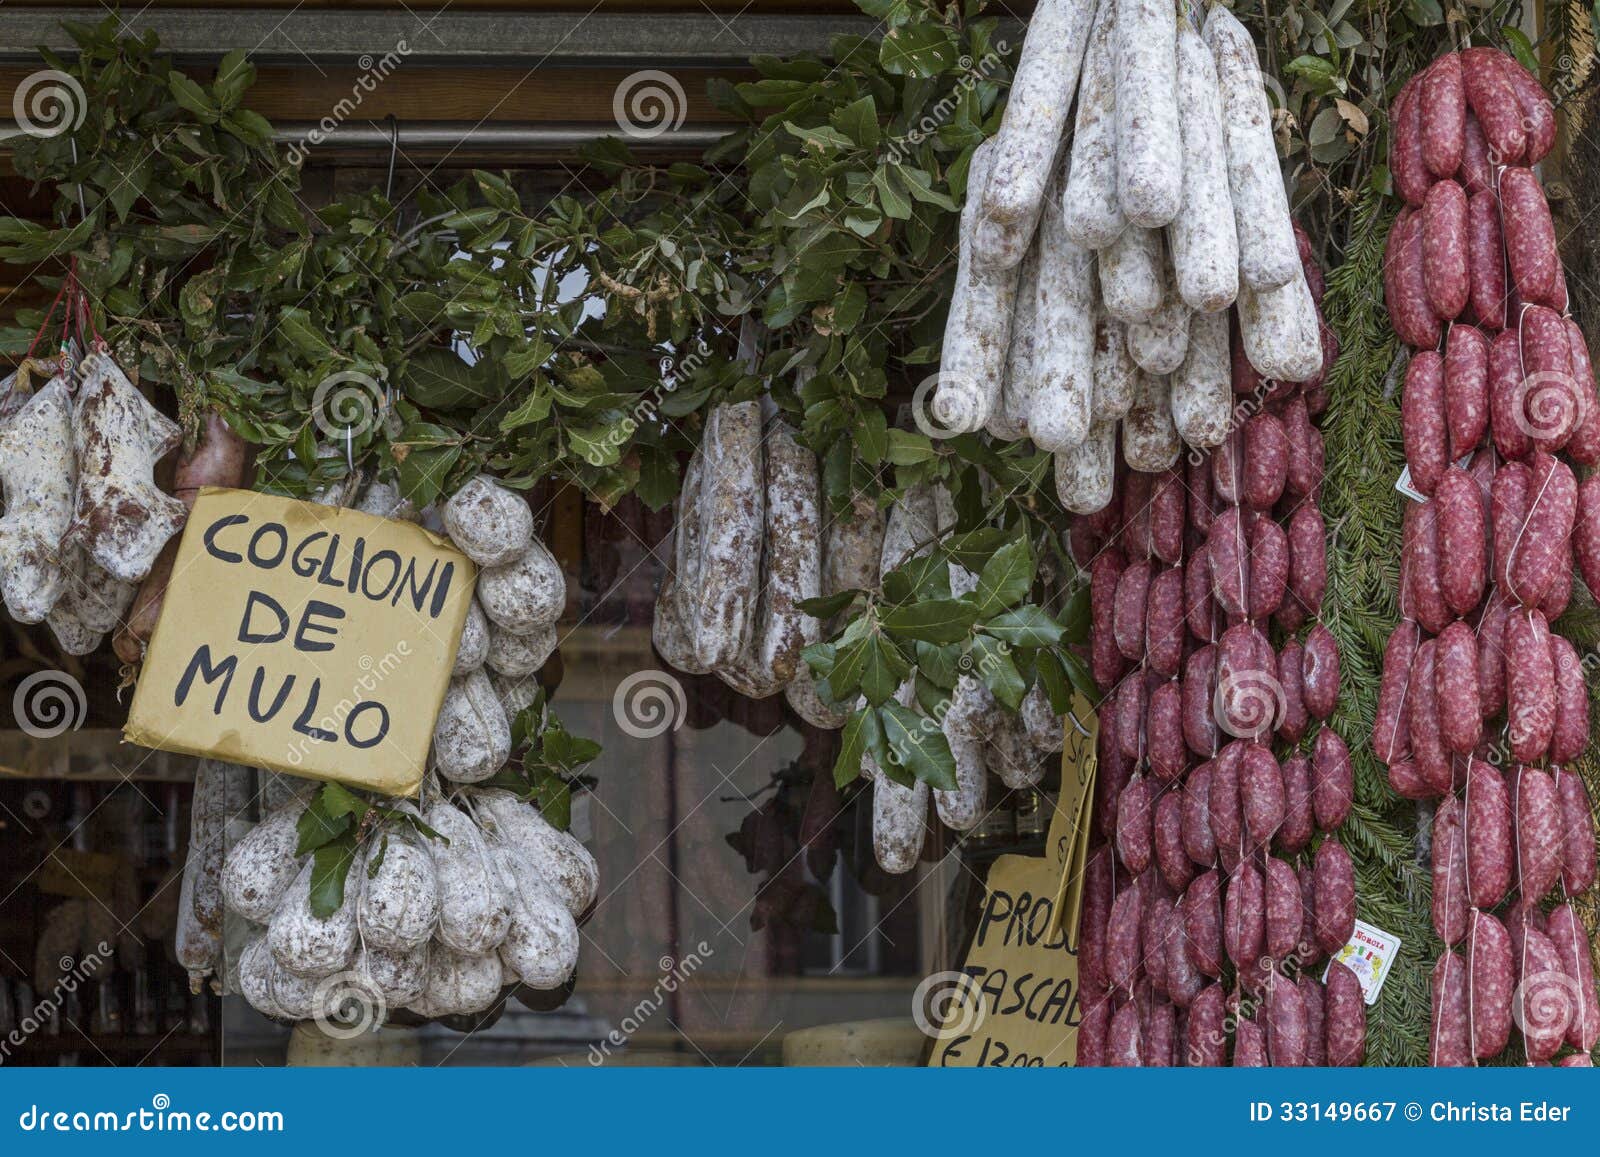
1463,554
1133,589
1244,927
1544,1003
1286,1023
1538,113
1489,980
1583,447
1164,627
1167,516
1488,835
1552,513
1206,1039
1530,236
1227,824
1571,943
1248,699
1334,890
1442,112
1198,687
1314,1000
1184,981
1124,1042
1249,1044
1308,562
1466,389
1444,249
1508,511
1115,768
1422,716
1199,606
1507,422
1345,1017
1407,782
1165,749
1422,420
1260,794
1198,841
1093,1030
1494,103
1197,486
1409,312
1406,161
1455,664
1391,736
1486,270
1106,662
1302,477
1450,1033
1227,460
1586,533
1134,825
1171,858
1122,951
1332,780
1538,832
1269,567
1294,721
1476,174
1308,952
1450,900
1571,734
1299,816
1550,407
1202,922
1092,919
1320,672
1530,686
1285,918
1136,487
1230,567
1577,833
1154,932
1266,461
1130,717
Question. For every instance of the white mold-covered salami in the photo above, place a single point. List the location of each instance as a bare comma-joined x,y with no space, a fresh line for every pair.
961,809
37,471
493,526
732,518
1045,729
208,823
1115,372
910,528
303,942
1158,344
855,545
1149,144
121,517
399,976
277,790
1268,256
1031,130
1091,207
471,736
556,855
541,944
1064,352
459,983
473,911
792,557
256,968
1130,275
199,949
1202,389
1150,441
96,599
515,695
383,500
1010,756
1203,237
1282,339
400,897
516,656
473,648
977,328
1016,395
671,628
1086,473
257,871
807,702
525,594
898,819
295,995
71,633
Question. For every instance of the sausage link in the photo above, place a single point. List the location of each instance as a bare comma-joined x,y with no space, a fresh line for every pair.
1093,916
1570,736
1199,605
1422,718
1320,672
1332,780
1206,1040
1530,236
1552,512
1285,916
1091,210
1489,980
1450,1021
1269,567
1406,286
1164,626
1244,916
1492,659
1133,590
1229,560
1203,236
1550,408
1538,113
1571,942
1106,662
1422,420
1486,271
1266,461
1577,833
1164,745
1391,734
1586,533
1422,597
1455,667
1508,511
1295,718
1444,249
1450,903
1286,1023
1171,859
1198,841
1167,505
1261,795
1442,110
1202,923
1494,103
1227,825
1466,389
1488,835
1334,889
1406,161
1199,683
1508,424
1134,820
1583,445
1538,832
1476,173
1530,686
1345,1017
1122,952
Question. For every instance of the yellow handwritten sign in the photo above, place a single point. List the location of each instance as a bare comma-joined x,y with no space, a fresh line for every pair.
1017,1003
308,639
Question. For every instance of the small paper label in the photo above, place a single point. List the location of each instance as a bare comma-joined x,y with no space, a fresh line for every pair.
1370,954
1403,483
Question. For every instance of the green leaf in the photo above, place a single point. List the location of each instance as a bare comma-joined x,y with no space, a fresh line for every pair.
1054,679
192,97
908,448
330,814
1005,579
917,744
854,741
992,662
883,670
924,576
858,122
1078,673
1075,617
826,606
975,548
1026,626
938,664
931,620
438,379
820,137
330,865
919,50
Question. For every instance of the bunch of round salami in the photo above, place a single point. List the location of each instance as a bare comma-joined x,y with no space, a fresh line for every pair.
1220,788
1099,261
1499,405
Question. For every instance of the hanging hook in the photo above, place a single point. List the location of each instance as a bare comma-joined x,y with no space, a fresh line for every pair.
394,151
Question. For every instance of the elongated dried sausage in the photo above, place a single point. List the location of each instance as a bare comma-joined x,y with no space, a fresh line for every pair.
1444,249
1486,271
1466,389
1450,904
1345,1017
1164,745
1198,841
1091,210
1406,160
1538,832
1455,663
1294,718
1202,923
1332,780
1570,736
1577,833
1450,1021
1299,812
1538,114
1488,835
1552,512
1422,420
1391,734
1334,886
1442,112
1494,103
1489,979
1269,567
1530,236
1320,672
1198,689
1530,686
1203,236
1244,916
